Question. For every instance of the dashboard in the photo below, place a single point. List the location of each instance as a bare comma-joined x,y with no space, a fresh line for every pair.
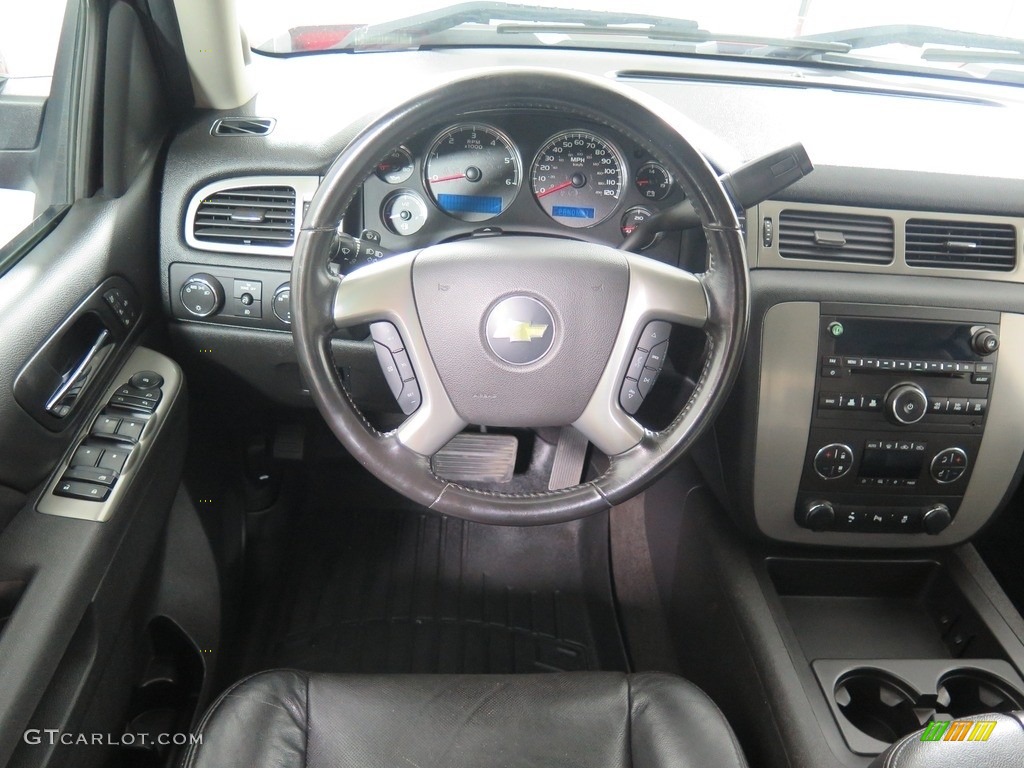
913,218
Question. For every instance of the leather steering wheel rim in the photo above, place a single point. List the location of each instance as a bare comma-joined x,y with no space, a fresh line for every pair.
724,316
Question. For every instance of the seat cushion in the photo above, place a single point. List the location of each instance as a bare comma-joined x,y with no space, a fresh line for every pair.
587,720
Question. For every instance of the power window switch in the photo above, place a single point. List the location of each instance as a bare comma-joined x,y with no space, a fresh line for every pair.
104,426
75,489
114,459
86,456
130,430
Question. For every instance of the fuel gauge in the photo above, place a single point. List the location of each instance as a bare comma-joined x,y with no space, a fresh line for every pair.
653,181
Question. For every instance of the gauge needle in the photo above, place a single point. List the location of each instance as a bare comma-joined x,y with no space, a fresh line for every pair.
555,188
448,178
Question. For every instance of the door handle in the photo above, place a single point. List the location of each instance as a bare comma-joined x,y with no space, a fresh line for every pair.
63,400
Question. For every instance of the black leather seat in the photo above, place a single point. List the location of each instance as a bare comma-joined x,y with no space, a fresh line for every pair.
585,720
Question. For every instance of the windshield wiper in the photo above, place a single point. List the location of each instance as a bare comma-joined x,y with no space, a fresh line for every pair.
410,30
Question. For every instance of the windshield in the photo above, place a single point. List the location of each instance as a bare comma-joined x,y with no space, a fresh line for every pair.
979,39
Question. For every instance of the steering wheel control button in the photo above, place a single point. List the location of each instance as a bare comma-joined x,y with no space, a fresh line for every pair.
630,397
646,381
833,461
396,366
907,403
282,304
146,380
636,365
520,330
656,359
654,333
75,489
949,465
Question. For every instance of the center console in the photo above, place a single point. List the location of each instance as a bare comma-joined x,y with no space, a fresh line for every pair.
883,425
899,415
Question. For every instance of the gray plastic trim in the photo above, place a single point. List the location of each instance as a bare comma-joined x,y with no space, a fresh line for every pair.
656,292
305,187
768,257
789,354
141,359
383,291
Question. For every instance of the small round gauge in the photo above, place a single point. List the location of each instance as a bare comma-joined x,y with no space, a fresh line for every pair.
632,219
396,167
404,212
653,181
472,172
577,178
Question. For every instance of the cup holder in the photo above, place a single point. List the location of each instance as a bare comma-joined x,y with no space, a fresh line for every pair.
966,692
877,704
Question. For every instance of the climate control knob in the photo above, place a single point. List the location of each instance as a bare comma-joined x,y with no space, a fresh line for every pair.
936,519
202,295
819,516
906,403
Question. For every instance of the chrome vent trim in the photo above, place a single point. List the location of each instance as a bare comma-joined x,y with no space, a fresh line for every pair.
243,126
828,236
961,245
251,214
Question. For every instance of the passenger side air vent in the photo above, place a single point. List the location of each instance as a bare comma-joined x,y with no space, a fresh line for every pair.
826,236
961,245
242,126
247,216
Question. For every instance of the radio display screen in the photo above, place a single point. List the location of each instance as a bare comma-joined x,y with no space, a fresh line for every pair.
904,465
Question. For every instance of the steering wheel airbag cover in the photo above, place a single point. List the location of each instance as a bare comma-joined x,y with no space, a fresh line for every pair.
583,287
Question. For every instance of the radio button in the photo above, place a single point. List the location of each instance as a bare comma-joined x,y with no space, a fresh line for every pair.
937,404
977,407
958,405
933,366
831,372
918,365
850,402
887,365
872,403
830,401
828,360
853,362
984,367
981,378
907,403
902,365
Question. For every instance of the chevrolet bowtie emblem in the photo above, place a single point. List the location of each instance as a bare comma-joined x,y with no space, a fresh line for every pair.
517,330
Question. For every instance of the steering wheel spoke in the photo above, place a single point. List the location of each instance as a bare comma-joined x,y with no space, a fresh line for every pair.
658,294
381,294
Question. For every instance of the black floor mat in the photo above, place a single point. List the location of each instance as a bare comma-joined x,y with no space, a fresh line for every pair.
384,590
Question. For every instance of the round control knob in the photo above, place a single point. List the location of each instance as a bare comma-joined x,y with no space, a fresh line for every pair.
819,516
282,304
833,461
936,519
984,341
906,403
202,295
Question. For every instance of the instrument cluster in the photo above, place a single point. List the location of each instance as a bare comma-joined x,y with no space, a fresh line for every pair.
528,172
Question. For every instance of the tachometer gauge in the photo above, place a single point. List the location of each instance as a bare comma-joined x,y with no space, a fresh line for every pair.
577,178
473,172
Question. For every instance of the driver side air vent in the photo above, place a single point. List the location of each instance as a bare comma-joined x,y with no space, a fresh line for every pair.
242,126
961,245
250,216
826,236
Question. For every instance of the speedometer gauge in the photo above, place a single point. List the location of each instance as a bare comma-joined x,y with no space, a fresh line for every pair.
473,172
577,178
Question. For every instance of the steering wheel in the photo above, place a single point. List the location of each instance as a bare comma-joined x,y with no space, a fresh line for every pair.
445,301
